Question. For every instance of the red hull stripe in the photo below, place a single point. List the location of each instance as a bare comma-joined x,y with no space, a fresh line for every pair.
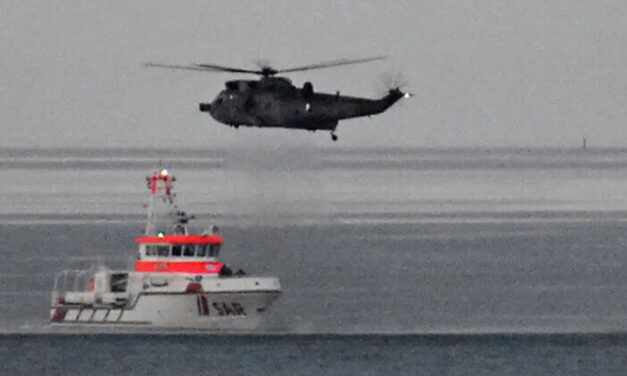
181,239
192,267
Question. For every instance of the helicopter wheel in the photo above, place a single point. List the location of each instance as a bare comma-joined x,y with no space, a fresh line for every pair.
333,136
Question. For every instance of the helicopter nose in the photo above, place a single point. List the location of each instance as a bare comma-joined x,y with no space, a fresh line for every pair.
205,107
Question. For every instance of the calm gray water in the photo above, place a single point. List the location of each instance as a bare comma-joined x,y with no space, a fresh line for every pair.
366,241
314,355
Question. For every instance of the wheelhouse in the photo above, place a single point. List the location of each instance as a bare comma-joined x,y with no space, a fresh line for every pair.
189,254
179,246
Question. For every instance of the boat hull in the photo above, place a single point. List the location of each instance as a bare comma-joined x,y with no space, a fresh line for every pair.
222,310
169,301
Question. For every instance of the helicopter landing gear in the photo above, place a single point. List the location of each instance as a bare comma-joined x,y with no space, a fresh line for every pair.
333,136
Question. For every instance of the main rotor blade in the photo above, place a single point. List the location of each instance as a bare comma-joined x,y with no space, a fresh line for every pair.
265,70
202,68
221,68
329,64
188,67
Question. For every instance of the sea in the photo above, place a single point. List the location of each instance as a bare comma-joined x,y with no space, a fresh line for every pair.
399,261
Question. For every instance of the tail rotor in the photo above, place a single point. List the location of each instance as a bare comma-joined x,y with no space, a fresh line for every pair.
392,84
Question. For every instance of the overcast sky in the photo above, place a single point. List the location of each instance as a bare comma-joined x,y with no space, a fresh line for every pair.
485,73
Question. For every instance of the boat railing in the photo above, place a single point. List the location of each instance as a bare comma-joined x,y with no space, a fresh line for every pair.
80,287
72,280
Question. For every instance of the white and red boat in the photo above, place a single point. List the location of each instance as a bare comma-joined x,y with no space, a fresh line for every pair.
178,281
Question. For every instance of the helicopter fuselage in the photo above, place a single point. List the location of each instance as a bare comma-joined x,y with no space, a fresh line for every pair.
275,102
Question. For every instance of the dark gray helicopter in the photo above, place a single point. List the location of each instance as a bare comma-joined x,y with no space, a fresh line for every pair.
275,102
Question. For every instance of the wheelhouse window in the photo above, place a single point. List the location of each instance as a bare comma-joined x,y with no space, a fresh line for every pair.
163,250
201,250
157,250
214,250
151,250
183,250
188,250
176,250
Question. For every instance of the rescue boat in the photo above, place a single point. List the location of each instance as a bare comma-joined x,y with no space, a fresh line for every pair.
177,282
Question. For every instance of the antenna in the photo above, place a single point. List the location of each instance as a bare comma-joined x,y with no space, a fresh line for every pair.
160,182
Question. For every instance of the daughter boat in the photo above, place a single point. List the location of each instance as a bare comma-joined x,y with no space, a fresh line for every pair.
178,281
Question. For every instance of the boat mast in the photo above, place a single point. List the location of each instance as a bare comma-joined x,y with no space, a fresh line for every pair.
159,184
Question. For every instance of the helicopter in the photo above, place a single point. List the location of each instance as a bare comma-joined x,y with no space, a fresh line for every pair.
273,101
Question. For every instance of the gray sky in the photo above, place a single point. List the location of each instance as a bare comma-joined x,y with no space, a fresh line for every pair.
485,73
